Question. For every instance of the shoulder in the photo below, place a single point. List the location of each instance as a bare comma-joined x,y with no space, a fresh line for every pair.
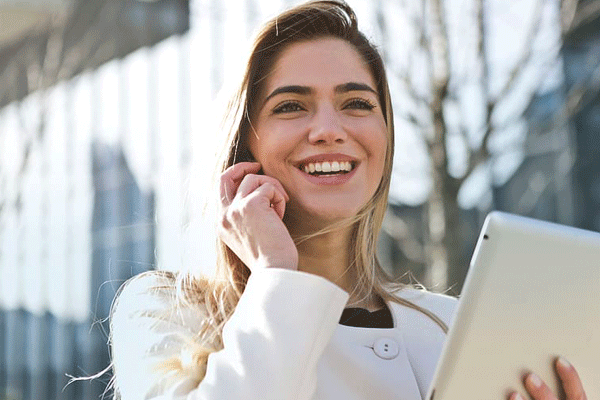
142,296
155,338
153,287
154,300
430,300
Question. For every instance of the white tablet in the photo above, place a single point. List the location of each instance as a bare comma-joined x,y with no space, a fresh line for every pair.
532,293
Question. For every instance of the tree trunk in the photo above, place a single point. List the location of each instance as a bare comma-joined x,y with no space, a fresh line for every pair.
436,208
437,213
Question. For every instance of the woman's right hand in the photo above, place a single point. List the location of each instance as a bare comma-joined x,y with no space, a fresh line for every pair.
251,218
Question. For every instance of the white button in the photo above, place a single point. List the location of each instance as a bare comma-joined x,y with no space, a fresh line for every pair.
386,348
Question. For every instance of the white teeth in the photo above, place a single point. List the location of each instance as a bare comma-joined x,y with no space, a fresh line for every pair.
326,166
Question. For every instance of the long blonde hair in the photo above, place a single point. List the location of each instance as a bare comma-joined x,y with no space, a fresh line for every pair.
220,294
310,21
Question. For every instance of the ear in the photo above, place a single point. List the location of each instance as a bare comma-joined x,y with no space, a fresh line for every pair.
244,149
244,154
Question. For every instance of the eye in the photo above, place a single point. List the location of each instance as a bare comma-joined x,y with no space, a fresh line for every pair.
287,107
359,104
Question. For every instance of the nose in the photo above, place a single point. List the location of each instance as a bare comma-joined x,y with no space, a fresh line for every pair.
326,127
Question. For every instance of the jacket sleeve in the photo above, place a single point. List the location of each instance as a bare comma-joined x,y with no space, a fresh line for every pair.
271,344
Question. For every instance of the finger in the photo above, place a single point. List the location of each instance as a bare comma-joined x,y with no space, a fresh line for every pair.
570,380
273,196
516,396
232,177
266,188
537,388
251,182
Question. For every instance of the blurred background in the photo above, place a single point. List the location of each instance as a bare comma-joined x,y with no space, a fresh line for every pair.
108,129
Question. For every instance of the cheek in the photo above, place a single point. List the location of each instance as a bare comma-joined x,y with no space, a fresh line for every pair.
259,144
272,143
378,145
268,152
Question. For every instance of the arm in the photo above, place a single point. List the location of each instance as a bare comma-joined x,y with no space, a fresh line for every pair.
272,343
275,338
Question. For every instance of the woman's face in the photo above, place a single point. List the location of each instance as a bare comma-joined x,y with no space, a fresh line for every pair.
319,130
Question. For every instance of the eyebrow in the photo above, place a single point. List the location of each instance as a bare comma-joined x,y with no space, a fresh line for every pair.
354,86
297,89
305,90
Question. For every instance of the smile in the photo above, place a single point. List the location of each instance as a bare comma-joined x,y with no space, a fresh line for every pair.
328,167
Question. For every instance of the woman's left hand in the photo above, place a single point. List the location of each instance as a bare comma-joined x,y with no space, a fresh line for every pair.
569,378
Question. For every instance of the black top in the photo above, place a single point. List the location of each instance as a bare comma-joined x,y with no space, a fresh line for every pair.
363,318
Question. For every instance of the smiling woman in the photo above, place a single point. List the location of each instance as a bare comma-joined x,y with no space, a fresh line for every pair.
299,308
321,110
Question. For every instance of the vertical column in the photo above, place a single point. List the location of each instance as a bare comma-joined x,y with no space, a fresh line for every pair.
251,16
16,350
153,126
38,357
216,40
60,342
106,212
63,350
185,138
2,352
204,136
5,211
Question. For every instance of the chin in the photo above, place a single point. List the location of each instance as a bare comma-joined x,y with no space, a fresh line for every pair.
324,214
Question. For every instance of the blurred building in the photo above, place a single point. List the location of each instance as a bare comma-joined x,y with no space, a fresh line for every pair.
74,220
582,75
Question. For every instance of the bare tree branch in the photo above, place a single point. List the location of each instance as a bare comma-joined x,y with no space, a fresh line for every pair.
578,97
581,94
482,153
439,48
477,157
481,44
588,12
442,247
412,119
395,227
568,9
525,57
409,86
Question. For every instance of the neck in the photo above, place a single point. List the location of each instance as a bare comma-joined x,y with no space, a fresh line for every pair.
328,255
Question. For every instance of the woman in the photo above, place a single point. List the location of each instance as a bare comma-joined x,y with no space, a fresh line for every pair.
299,307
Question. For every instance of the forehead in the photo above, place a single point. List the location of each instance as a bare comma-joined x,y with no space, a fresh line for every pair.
321,63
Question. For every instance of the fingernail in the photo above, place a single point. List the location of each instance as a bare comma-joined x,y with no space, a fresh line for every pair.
518,397
564,363
534,380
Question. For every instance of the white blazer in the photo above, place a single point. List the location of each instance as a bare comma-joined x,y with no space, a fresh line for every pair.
282,342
